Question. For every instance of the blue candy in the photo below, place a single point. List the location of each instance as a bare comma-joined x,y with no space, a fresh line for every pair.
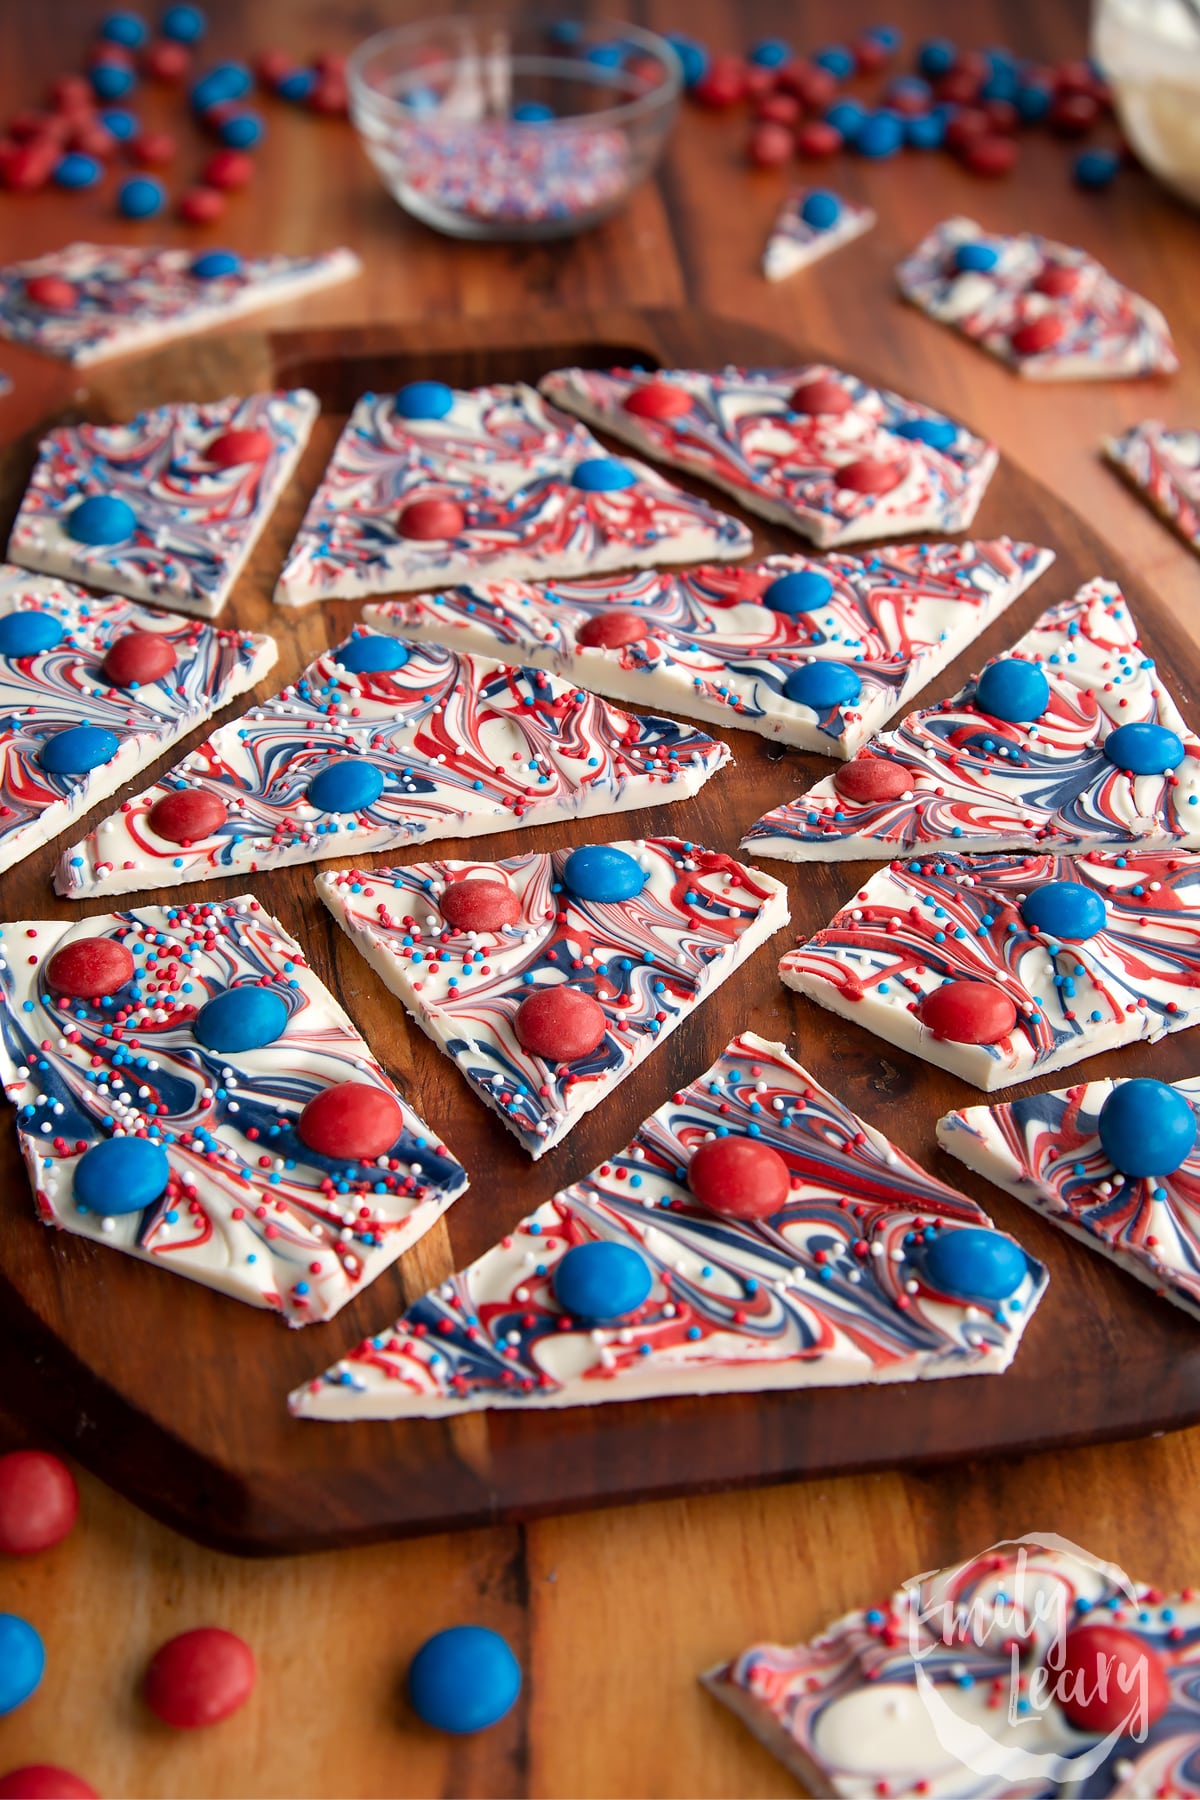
888,37
121,1175
110,80
939,434
601,1282
602,475
600,872
693,56
348,785
837,59
25,633
424,400
214,264
936,56
1144,749
22,1662
800,592
1002,84
846,116
910,87
975,1264
821,209
823,685
241,131
1033,101
141,198
119,123
770,53
101,519
927,131
298,84
880,135
242,1018
1096,169
976,258
564,32
76,170
463,1679
1013,690
124,28
1147,1128
227,81
78,750
532,112
372,655
1065,909
186,24
605,56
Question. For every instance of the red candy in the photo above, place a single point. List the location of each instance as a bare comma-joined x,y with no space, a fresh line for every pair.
1074,78
167,61
140,656
187,816
990,155
779,109
200,1678
72,93
740,1177
1058,280
608,631
957,88
352,1121
760,82
870,55
429,519
1002,115
724,83
770,145
272,65
658,400
479,904
234,447
1109,1679
27,167
152,149
870,778
228,169
42,1781
34,127
871,474
968,1012
1038,334
819,139
1073,114
970,123
39,1501
89,969
201,205
811,84
824,395
560,1024
53,292
329,97
93,139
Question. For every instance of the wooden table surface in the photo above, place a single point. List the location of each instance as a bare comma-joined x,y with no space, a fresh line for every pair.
612,1613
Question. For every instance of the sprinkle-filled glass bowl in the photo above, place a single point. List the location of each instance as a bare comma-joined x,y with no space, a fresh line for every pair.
486,128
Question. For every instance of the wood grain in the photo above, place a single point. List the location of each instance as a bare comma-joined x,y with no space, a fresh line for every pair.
614,1611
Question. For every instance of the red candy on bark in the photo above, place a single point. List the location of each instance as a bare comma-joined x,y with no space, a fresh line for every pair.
229,169
819,139
43,1781
187,816
608,631
1058,280
770,145
739,1177
1038,334
658,400
870,778
200,1678
201,205
53,292
39,1501
431,519
823,395
561,1024
353,1121
90,968
871,474
968,1012
139,656
479,904
1111,1680
234,447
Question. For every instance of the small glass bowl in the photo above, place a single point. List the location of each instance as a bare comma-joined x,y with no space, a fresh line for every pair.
1150,53
488,129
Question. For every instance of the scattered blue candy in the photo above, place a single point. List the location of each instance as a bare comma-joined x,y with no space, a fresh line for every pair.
532,112
298,84
75,170
227,81
801,591
186,24
837,59
692,55
601,872
241,131
345,786
463,1679
910,87
1147,1128
888,37
22,1661
846,116
821,209
975,1264
880,135
120,123
141,197
111,80
125,29
1015,691
1065,909
373,654
601,1282
939,434
1096,169
1033,101
605,56
424,400
823,685
242,1018
565,32
78,750
927,131
1144,749
602,475
936,56
26,633
975,258
214,264
770,53
121,1175
1002,84
101,519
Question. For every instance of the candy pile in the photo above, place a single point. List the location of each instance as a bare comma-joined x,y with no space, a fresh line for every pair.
87,124
973,103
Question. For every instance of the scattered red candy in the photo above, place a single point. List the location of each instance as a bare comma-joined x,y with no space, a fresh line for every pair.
88,969
968,1012
271,66
770,145
27,167
151,149
431,519
1071,115
723,84
201,205
869,778
167,61
561,1024
93,138
187,816
609,630
1002,115
43,1781
990,155
352,1121
870,55
232,448
140,656
72,93
760,82
740,1177
30,127
1109,1679
39,1501
479,904
780,109
200,1678
819,139
971,122
810,83
329,97
957,88
228,169
1073,78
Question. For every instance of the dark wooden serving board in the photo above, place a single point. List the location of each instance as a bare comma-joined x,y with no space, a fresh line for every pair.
178,1397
